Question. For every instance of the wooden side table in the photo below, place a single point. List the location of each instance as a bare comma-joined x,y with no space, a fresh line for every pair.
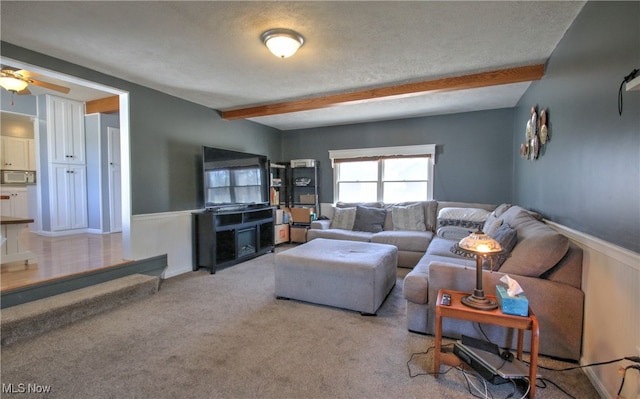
461,312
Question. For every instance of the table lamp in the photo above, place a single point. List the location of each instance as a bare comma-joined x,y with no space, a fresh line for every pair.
481,246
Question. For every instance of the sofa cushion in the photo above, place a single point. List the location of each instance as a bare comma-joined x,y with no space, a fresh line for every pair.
539,247
413,241
500,209
442,247
408,218
339,234
376,204
507,237
343,218
369,219
453,233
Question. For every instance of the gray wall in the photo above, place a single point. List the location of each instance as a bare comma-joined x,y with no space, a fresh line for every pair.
588,176
473,162
21,104
166,135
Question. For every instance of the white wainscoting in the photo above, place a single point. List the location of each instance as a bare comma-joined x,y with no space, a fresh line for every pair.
611,283
164,233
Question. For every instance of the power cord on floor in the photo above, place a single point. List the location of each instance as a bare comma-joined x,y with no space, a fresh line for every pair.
635,359
425,353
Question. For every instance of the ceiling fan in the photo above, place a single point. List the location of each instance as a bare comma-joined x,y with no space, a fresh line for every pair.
18,81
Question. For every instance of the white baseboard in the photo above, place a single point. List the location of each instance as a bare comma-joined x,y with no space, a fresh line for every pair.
60,233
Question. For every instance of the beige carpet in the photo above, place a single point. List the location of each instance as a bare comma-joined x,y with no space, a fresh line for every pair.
226,336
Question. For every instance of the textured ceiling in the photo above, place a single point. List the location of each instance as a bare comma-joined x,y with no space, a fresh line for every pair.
209,52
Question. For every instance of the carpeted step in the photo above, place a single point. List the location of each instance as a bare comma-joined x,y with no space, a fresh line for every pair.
34,318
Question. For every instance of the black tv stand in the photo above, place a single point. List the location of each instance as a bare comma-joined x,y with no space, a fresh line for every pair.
223,238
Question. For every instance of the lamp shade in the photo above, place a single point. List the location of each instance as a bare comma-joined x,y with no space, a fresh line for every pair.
12,84
480,243
283,43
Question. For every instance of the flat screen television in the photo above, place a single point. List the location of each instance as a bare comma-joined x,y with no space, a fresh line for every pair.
234,179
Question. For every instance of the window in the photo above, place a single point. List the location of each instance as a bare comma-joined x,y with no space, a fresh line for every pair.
390,174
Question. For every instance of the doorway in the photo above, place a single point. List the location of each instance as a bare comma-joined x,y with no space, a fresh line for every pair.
118,149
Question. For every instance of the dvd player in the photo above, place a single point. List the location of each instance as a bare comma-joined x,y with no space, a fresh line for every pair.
491,366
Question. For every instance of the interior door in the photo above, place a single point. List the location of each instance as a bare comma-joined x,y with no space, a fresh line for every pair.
115,180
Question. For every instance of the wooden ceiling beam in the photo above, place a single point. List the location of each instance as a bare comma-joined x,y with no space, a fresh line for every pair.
473,81
105,105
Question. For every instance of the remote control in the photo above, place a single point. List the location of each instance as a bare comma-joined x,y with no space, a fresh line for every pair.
446,300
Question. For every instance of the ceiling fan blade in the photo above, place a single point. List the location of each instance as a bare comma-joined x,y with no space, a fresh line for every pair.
50,86
24,91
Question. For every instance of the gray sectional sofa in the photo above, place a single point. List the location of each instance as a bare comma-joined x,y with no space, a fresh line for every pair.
546,265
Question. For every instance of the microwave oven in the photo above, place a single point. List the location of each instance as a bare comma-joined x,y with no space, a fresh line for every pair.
18,176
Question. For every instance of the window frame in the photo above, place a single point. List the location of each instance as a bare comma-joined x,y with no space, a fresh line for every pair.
379,154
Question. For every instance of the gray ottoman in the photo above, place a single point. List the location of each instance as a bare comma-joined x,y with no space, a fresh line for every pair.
345,274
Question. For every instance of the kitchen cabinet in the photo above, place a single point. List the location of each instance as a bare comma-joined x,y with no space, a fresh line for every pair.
15,153
17,204
68,197
67,164
65,124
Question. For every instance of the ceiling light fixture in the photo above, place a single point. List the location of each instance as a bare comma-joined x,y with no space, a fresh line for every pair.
12,84
283,43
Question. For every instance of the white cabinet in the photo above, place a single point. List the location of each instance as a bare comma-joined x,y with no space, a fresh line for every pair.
68,196
15,153
65,124
67,164
17,204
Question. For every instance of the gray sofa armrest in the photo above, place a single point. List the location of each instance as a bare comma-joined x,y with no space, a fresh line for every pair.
321,224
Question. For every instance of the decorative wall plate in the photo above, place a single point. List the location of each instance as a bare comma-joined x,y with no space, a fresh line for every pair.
535,147
544,134
524,150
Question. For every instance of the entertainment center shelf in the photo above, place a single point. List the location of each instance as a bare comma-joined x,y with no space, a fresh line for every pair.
224,238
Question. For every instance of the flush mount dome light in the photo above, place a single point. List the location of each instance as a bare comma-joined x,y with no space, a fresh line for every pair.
283,43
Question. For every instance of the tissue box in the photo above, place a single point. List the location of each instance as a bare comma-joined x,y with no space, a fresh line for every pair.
516,305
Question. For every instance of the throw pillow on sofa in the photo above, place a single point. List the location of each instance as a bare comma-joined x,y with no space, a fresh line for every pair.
493,220
492,224
471,218
369,219
343,218
408,218
507,237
